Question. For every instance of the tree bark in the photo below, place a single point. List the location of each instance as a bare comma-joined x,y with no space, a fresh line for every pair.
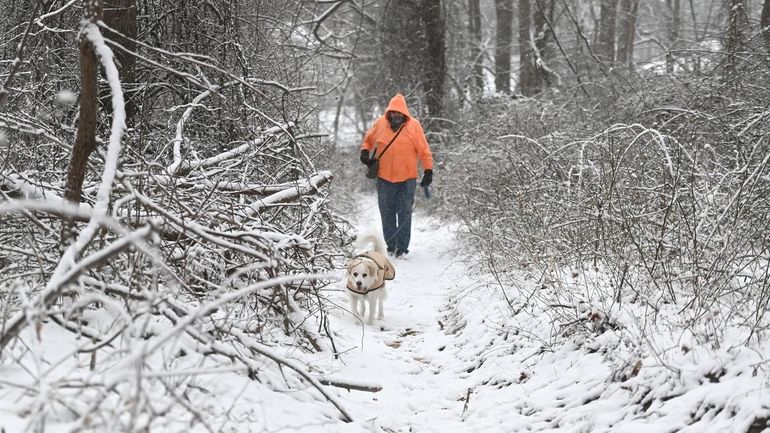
530,79
433,82
673,33
736,22
627,24
120,15
85,140
607,22
401,43
474,28
542,13
544,39
412,46
504,10
764,21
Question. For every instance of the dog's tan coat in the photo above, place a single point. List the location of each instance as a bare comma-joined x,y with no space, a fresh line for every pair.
378,264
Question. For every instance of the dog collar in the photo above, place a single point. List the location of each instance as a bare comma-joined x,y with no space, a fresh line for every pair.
366,292
380,268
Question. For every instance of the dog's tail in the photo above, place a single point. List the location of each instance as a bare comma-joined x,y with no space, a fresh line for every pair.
374,238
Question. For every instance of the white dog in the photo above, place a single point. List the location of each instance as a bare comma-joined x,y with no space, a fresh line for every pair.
366,274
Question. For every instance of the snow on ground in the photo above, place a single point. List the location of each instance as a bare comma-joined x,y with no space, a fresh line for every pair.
452,355
422,387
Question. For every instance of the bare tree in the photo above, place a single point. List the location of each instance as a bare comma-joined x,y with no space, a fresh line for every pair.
607,22
737,22
434,55
530,79
412,47
217,212
765,23
504,42
544,37
120,15
474,28
85,142
627,17
673,9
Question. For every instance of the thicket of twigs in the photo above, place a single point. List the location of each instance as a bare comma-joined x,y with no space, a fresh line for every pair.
215,243
664,189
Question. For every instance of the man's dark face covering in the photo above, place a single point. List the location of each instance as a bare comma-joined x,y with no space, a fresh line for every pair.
396,119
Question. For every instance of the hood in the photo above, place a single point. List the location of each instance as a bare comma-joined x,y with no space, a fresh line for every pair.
398,103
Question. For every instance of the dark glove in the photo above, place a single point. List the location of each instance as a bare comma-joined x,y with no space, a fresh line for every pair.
427,178
365,157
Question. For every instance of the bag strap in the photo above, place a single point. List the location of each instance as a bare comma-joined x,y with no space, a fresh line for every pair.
391,140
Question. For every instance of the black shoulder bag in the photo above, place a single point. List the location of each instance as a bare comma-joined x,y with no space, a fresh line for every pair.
374,167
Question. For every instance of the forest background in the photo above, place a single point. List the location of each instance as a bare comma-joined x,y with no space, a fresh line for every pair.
174,175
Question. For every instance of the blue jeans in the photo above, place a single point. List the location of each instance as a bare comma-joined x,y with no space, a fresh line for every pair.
395,201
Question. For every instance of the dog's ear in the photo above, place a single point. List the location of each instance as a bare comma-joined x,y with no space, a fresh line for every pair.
390,273
372,268
390,270
352,264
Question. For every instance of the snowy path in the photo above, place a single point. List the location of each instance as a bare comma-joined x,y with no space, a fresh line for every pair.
406,352
452,355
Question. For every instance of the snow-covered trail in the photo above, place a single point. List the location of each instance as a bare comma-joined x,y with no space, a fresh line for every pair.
453,355
407,352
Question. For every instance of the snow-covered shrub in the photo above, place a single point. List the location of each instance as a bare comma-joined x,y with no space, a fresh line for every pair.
667,197
628,255
208,258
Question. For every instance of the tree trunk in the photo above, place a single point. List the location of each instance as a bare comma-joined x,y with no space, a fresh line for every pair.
673,33
504,10
474,28
85,140
412,46
544,39
764,21
121,16
401,41
627,25
736,22
542,12
433,83
530,79
607,23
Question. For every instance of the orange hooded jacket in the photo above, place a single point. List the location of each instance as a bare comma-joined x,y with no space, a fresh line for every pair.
399,163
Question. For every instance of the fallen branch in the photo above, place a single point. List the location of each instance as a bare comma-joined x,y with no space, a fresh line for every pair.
299,369
56,286
346,384
465,406
188,317
307,186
